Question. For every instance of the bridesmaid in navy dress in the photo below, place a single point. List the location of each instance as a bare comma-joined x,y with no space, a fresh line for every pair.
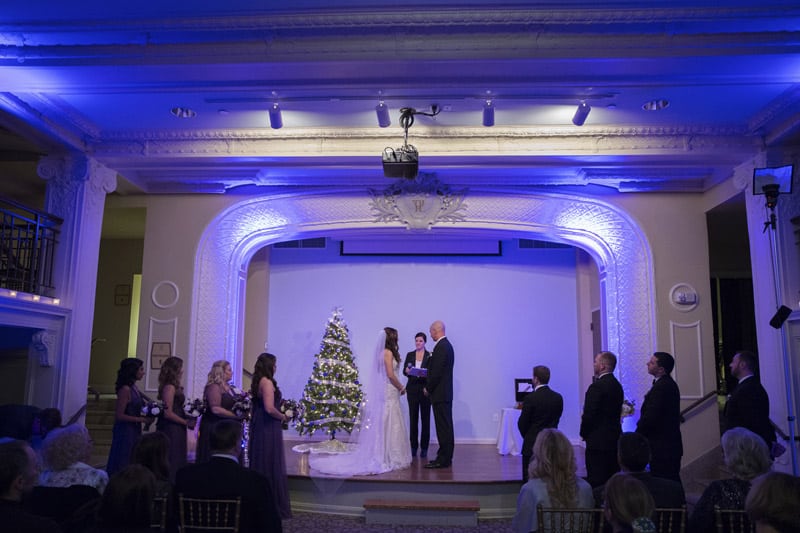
219,401
266,433
174,422
128,417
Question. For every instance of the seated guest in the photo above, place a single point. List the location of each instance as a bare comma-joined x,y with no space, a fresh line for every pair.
628,505
43,423
127,502
633,455
152,452
18,472
772,502
65,452
221,477
552,481
747,456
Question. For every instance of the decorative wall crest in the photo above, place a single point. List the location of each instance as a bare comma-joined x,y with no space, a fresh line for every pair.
419,203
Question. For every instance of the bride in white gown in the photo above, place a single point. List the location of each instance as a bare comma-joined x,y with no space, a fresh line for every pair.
382,441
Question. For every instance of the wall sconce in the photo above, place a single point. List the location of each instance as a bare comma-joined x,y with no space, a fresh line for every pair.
488,113
382,111
275,118
581,114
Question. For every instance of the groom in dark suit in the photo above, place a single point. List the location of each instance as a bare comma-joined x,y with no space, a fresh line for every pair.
440,390
600,423
660,419
541,409
221,477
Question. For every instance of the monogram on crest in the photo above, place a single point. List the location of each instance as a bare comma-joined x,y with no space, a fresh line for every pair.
418,203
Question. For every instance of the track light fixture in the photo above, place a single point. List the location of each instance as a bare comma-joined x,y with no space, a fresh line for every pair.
382,111
581,113
488,113
275,118
403,162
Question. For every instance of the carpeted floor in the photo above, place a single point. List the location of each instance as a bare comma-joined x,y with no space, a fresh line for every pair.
305,522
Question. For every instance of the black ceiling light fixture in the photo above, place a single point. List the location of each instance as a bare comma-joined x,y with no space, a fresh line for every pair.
403,162
581,113
382,112
275,117
488,113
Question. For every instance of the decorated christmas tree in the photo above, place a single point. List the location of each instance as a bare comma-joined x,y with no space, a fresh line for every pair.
333,395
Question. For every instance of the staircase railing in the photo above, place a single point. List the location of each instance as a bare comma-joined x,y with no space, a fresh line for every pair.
28,240
695,404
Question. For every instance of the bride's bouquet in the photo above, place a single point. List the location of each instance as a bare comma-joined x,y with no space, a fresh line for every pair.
291,408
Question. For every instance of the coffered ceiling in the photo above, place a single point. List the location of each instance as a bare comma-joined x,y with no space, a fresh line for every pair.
102,78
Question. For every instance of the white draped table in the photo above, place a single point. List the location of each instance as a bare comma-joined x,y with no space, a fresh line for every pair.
509,441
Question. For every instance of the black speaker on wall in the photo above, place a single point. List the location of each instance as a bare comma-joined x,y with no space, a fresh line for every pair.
780,317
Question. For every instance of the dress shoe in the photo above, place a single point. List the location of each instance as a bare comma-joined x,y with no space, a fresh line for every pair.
433,464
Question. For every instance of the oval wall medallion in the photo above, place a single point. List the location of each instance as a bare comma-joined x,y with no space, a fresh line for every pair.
165,295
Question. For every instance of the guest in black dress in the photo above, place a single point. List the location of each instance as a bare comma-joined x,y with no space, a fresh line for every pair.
174,422
419,405
747,456
219,401
128,418
266,434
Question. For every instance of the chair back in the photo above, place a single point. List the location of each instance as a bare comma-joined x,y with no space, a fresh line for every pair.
732,521
159,514
202,514
670,520
554,520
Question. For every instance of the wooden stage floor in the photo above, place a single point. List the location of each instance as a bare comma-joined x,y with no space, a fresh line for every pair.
472,463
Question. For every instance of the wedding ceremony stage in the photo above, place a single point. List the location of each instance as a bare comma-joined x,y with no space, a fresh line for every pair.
479,473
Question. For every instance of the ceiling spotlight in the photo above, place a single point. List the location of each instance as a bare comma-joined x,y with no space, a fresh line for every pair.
488,113
656,105
382,111
275,118
581,113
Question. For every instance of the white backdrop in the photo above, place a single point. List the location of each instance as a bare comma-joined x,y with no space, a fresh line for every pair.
503,315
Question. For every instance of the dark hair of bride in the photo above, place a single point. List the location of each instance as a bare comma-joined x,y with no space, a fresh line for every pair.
391,343
264,368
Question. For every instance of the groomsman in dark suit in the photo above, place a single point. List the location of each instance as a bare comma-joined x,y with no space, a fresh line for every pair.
541,409
600,423
221,477
660,419
748,405
440,390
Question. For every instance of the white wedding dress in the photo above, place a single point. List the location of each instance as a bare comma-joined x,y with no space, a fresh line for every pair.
382,440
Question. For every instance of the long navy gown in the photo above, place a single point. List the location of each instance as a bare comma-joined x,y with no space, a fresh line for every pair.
125,434
266,453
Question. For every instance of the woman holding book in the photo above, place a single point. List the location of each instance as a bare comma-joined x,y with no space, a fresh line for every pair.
419,406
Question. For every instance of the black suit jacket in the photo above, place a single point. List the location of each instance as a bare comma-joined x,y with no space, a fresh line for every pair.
602,406
666,493
225,478
660,418
415,384
440,372
748,407
541,409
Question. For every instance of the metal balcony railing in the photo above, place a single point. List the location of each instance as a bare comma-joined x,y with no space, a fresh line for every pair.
28,240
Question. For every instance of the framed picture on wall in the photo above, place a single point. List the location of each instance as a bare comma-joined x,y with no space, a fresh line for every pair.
159,352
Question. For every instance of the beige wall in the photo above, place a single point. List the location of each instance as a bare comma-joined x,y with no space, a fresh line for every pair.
119,260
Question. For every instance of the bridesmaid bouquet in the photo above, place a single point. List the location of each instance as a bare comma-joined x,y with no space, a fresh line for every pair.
242,404
194,408
628,408
291,408
153,409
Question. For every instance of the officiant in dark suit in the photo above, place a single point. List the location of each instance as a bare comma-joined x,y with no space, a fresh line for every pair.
440,390
541,409
600,423
419,405
222,477
660,418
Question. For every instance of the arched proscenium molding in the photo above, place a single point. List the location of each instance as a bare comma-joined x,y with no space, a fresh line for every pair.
610,236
